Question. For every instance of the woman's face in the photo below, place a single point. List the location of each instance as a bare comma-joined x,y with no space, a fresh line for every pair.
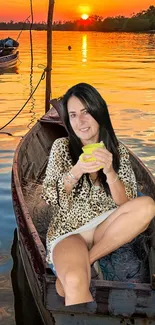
84,125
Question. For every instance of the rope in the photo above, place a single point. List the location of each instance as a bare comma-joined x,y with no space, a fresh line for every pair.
27,19
42,78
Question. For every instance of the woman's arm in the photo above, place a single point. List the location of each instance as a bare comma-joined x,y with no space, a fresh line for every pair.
117,188
123,186
80,168
61,177
54,190
72,178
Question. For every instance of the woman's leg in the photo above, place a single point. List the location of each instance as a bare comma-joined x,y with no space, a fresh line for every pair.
71,261
123,225
59,288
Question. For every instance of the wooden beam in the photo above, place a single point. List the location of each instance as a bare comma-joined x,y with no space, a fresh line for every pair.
49,54
152,267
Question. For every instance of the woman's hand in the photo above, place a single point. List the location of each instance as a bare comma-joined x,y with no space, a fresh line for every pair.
105,158
88,166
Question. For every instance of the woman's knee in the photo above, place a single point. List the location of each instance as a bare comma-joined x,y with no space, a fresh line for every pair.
74,279
147,206
151,207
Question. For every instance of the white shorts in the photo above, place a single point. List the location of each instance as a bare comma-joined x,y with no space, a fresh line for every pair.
87,227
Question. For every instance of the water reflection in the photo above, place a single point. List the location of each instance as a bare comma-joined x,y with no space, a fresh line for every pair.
10,70
151,41
84,48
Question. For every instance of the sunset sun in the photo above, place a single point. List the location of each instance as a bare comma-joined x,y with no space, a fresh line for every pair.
84,16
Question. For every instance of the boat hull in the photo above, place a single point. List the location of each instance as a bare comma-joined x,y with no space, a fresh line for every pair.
9,61
88,314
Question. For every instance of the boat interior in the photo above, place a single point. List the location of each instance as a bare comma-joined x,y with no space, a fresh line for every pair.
132,262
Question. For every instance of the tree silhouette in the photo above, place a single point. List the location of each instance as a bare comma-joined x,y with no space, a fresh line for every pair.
142,21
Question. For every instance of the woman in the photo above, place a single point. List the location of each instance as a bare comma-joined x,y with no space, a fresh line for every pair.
96,210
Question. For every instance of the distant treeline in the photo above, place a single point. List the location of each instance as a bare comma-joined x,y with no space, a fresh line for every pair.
140,22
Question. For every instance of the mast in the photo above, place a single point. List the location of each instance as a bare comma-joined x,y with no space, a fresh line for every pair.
49,54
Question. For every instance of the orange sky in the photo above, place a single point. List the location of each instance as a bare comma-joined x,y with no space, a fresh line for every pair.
19,10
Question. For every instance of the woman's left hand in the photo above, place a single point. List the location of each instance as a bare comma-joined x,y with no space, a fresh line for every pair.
106,159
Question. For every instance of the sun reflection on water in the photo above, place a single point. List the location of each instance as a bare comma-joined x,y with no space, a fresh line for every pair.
84,48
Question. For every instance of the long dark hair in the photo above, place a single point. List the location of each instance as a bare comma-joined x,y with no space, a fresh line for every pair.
97,108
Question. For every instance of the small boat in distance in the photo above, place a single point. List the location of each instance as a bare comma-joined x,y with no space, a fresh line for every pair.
8,61
8,46
8,53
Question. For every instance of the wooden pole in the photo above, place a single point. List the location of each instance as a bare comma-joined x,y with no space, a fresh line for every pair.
49,54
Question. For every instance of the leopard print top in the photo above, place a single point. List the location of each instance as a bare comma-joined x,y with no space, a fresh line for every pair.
74,212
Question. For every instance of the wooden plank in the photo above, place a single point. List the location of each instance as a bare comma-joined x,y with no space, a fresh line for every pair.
33,283
29,172
49,54
111,297
24,167
152,227
54,303
50,279
152,267
83,319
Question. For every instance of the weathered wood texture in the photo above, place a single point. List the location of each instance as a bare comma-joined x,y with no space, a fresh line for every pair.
111,297
144,177
25,309
84,319
152,267
33,284
8,60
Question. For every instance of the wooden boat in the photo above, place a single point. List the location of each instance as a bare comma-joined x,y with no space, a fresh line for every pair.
9,61
8,46
115,302
9,70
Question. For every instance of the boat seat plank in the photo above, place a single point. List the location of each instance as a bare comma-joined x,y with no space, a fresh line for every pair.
111,297
86,319
152,267
152,231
